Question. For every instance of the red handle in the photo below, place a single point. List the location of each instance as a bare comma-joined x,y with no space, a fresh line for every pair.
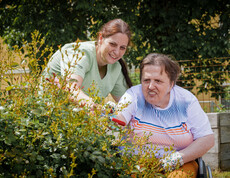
118,121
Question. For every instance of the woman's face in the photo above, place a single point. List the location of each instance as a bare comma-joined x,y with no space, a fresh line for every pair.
156,85
111,49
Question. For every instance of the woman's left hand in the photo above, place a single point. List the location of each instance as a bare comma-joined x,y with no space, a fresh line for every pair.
170,162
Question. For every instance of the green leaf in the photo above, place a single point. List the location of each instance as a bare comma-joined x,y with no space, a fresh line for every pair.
101,159
55,156
40,158
14,64
9,88
97,153
36,111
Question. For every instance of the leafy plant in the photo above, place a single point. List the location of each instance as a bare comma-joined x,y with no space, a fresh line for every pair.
44,134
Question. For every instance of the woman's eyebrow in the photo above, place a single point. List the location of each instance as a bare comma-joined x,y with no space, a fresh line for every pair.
124,45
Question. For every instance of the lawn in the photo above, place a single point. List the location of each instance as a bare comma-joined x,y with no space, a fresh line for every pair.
221,174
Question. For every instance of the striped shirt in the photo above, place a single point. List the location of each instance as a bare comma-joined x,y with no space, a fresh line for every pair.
177,125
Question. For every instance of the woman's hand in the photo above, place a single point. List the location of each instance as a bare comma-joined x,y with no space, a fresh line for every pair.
170,162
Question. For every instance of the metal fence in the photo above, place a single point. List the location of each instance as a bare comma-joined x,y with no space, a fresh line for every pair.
208,79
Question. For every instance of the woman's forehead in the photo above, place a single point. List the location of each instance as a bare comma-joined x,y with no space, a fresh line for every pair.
159,67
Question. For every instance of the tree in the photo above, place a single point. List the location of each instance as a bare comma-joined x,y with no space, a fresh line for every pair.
61,21
180,28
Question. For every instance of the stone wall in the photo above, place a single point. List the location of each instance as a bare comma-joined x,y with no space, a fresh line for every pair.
219,156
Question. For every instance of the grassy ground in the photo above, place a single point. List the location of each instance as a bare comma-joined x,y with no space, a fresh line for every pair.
221,174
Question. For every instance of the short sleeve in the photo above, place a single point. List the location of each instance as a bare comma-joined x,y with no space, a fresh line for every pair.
82,67
127,105
198,121
73,61
120,86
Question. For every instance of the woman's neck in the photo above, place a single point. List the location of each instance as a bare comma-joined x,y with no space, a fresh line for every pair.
102,71
100,62
102,67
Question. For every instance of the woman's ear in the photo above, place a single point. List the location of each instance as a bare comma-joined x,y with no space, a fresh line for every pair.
172,84
100,38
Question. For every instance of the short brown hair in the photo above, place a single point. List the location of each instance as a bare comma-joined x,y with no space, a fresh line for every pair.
171,67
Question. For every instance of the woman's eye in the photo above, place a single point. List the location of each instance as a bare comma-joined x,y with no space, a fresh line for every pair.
158,81
113,44
146,80
123,48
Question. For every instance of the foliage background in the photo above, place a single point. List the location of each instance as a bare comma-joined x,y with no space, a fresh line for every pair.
187,30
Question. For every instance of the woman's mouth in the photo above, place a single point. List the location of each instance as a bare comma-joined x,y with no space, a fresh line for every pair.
152,93
114,57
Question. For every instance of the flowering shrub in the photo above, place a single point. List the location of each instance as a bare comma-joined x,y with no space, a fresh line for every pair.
44,134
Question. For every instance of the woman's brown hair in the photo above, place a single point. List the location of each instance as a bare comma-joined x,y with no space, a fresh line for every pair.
171,67
118,26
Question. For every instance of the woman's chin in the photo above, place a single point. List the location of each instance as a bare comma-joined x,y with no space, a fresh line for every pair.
112,61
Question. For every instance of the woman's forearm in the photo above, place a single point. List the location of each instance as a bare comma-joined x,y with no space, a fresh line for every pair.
198,148
79,96
121,118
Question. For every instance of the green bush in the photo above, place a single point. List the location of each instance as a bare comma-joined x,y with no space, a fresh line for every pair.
135,78
44,134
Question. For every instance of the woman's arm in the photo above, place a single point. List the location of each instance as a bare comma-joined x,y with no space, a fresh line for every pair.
78,94
121,118
197,148
200,126
116,98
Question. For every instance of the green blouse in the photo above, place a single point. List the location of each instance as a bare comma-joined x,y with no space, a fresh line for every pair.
82,61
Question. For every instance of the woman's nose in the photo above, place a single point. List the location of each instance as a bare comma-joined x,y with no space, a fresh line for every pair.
151,85
116,51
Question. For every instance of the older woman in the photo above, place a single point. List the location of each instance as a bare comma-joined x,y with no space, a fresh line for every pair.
170,113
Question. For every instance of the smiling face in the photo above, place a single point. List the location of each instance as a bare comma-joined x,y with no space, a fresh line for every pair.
156,85
111,49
